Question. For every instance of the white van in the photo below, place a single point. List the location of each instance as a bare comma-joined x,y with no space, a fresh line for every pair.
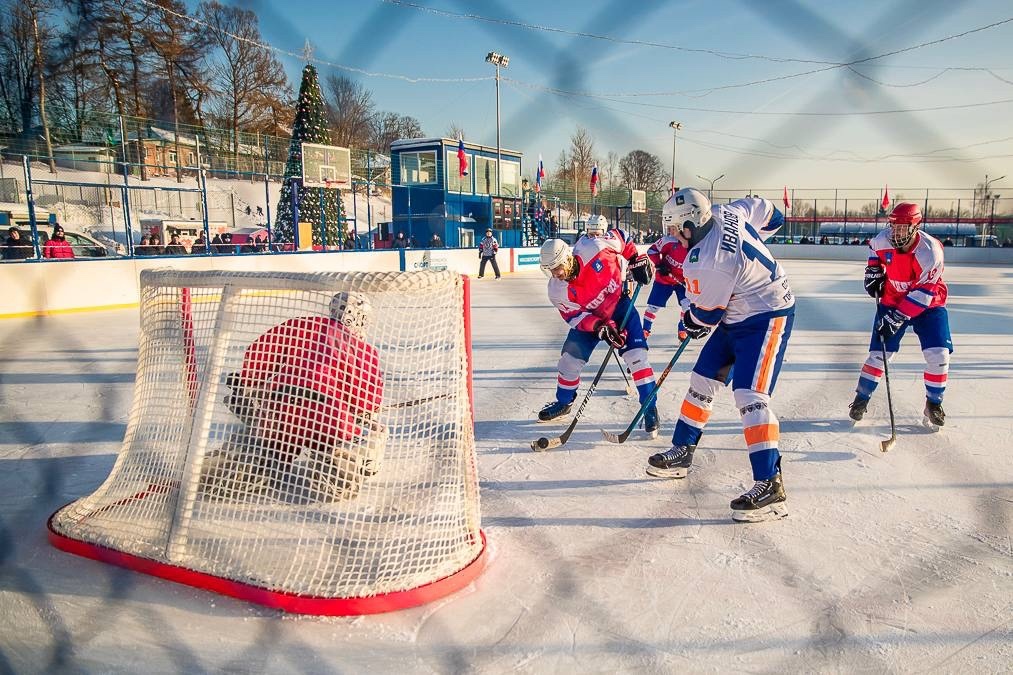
17,214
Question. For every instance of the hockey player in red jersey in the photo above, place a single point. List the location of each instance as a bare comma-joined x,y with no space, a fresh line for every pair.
668,255
586,286
905,272
309,388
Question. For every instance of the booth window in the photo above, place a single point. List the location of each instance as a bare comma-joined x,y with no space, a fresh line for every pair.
418,167
511,181
485,175
455,182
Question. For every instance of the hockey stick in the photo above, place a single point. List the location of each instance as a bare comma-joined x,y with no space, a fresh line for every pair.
888,443
544,443
620,438
622,368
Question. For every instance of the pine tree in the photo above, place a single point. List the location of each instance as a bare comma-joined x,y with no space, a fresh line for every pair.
310,126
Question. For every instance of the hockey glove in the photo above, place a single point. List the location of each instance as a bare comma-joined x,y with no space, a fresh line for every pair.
875,280
663,270
890,323
606,330
693,329
641,269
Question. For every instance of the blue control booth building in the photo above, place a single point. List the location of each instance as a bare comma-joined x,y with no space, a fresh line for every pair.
430,196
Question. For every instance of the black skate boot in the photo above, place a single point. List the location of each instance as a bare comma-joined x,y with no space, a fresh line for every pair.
858,407
672,463
554,410
651,421
934,415
765,501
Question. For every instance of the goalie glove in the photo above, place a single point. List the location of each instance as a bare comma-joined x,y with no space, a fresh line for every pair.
875,280
641,269
890,324
693,329
606,330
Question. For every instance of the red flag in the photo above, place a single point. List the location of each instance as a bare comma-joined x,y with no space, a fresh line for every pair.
462,159
886,197
787,204
594,180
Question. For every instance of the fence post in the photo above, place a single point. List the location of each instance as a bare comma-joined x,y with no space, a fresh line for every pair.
203,187
126,174
125,199
267,204
26,165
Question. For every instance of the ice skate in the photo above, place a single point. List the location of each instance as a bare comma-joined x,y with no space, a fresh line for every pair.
234,476
858,408
934,418
672,463
553,410
651,422
765,501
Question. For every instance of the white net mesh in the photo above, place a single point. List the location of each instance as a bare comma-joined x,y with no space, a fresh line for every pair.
271,445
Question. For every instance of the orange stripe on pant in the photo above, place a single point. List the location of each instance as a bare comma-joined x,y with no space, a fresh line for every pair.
762,433
770,350
694,412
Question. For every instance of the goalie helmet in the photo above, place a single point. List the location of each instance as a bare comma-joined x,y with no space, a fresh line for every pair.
352,309
596,226
556,253
904,221
687,208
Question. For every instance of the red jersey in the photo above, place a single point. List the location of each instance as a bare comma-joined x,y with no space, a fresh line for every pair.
670,252
595,292
914,280
323,379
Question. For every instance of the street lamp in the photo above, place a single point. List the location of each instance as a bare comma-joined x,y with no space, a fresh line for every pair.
675,130
710,192
985,195
498,60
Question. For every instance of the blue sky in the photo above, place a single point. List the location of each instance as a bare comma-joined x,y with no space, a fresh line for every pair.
756,145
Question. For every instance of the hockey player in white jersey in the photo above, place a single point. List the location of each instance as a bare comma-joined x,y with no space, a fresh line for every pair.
737,290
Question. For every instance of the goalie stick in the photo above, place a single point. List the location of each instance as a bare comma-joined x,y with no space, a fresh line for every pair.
620,438
544,443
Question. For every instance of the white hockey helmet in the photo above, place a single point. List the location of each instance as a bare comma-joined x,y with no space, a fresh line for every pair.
596,226
555,252
687,208
352,309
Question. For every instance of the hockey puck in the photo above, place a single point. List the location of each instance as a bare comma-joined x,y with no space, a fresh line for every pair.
541,444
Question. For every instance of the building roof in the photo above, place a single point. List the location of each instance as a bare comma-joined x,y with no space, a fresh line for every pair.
81,147
408,143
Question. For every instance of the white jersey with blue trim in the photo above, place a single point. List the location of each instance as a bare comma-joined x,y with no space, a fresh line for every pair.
730,274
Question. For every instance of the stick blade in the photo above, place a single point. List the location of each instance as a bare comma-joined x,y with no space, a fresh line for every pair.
611,437
888,443
543,444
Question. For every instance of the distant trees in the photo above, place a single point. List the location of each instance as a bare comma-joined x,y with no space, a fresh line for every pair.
642,170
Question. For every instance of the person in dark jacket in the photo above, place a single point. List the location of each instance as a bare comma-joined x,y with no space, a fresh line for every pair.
175,246
200,245
400,241
16,247
436,242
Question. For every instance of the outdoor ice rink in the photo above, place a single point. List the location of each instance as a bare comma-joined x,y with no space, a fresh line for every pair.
897,562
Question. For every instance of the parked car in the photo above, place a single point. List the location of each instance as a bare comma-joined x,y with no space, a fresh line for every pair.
85,246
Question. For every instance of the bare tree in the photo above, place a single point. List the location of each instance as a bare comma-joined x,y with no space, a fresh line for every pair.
455,130
642,170
389,127
35,8
582,155
249,82
611,168
350,111
18,77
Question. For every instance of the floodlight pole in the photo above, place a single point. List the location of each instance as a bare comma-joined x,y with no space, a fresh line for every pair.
498,60
675,130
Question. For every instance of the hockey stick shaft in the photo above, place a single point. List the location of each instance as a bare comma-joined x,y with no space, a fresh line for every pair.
888,443
649,400
622,369
547,443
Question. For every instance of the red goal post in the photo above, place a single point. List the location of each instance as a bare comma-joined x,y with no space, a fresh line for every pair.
402,533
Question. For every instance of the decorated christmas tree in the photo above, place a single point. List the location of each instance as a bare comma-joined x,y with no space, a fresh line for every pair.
310,126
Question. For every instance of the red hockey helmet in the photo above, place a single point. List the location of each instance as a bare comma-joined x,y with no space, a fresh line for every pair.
904,221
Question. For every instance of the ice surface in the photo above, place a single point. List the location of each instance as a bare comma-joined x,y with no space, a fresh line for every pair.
897,562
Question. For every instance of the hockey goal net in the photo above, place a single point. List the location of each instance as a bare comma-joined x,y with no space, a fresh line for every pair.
304,441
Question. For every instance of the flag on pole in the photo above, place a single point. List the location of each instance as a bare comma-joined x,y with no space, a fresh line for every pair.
540,174
787,203
886,197
594,180
462,159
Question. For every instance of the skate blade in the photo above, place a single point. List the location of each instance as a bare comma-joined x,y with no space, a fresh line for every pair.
929,424
769,512
651,434
657,472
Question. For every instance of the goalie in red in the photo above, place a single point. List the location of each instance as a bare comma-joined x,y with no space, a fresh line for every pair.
309,393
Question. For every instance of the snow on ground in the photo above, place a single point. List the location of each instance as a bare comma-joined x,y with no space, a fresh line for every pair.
897,562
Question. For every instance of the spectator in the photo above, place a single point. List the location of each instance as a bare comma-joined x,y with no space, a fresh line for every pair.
200,245
156,245
57,246
436,242
824,241
487,249
248,210
553,226
400,241
310,387
947,242
144,247
350,241
16,248
260,211
175,246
